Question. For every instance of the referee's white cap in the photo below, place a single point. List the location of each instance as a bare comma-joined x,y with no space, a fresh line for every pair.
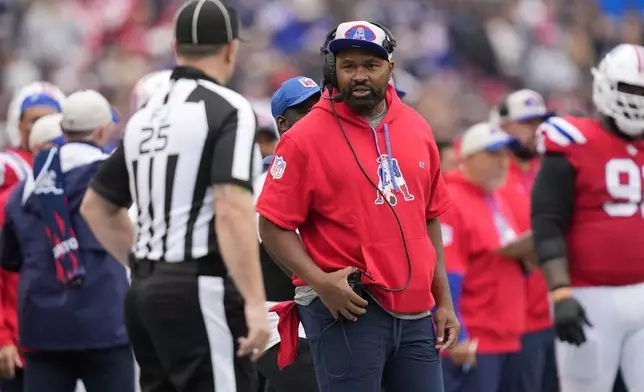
86,110
45,130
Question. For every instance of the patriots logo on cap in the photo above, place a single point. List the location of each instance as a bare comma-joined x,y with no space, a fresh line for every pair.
307,82
532,102
360,32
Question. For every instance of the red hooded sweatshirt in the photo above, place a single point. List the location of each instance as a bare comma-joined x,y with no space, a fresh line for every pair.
516,192
316,185
492,301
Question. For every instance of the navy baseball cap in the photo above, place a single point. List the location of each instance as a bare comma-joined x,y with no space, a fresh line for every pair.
360,34
293,92
40,99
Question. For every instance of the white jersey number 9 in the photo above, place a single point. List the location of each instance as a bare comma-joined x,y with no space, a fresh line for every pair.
624,183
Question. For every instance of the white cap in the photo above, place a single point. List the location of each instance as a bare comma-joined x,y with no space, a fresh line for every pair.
13,114
523,105
147,85
361,34
483,137
86,110
45,130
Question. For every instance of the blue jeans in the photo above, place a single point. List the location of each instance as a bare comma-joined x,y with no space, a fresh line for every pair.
489,375
378,350
534,369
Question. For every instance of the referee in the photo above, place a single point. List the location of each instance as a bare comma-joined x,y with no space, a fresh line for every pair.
188,159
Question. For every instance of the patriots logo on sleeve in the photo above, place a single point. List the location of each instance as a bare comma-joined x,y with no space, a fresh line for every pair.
559,132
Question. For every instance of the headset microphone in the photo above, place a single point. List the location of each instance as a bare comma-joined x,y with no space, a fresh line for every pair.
334,98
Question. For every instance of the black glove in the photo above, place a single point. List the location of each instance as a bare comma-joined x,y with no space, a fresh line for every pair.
570,318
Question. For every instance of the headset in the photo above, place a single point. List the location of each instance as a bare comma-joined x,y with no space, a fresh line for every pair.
329,83
503,107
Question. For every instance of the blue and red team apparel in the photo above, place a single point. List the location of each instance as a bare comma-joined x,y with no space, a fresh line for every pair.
491,304
316,186
8,291
607,204
516,193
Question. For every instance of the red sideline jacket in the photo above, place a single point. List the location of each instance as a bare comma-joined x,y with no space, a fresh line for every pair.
315,185
8,291
516,192
492,302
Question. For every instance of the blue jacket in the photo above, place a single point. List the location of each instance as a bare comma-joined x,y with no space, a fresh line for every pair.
53,316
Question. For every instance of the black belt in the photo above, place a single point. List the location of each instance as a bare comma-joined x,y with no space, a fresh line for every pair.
209,265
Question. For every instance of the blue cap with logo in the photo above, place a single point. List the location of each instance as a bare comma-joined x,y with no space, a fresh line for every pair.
293,92
40,99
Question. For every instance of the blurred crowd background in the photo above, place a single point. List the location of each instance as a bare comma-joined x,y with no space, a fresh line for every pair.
455,58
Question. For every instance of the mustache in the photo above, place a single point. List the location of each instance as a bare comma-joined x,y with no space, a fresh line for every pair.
354,86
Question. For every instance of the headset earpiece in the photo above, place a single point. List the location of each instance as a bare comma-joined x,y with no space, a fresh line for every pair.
503,107
328,68
390,43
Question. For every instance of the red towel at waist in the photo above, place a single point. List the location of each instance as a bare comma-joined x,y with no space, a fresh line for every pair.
288,330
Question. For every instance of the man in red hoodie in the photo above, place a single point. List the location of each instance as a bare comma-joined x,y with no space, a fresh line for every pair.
360,178
520,114
482,243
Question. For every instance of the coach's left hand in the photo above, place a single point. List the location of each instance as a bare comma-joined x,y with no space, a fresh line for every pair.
447,328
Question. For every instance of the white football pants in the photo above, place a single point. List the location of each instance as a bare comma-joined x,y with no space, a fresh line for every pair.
615,340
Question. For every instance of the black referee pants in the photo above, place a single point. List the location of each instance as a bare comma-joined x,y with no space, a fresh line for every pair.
296,377
184,329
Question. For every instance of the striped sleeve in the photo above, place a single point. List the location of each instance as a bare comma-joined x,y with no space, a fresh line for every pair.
236,158
556,134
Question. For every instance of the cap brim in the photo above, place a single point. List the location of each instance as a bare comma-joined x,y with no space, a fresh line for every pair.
345,43
303,97
498,145
529,117
116,117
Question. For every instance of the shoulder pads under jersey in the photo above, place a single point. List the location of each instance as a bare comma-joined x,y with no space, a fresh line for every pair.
556,134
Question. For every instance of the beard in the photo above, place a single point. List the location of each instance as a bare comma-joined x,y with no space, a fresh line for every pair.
363,105
522,152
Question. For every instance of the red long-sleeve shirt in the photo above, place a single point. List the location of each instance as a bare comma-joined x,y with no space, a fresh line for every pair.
8,291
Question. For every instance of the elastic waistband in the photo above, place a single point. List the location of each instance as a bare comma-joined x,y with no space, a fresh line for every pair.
210,265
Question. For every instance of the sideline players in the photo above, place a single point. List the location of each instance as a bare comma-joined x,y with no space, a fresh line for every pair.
289,104
589,232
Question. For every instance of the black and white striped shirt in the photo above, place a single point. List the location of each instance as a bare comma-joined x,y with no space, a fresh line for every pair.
190,135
